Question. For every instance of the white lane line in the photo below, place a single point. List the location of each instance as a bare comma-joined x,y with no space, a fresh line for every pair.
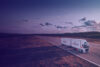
81,57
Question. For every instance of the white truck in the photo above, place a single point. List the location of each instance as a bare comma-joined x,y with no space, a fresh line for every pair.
80,45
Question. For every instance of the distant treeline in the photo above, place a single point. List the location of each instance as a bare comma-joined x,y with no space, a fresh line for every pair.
95,35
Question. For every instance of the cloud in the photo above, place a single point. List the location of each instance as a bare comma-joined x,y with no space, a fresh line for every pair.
47,23
69,23
60,27
86,22
56,26
42,24
83,19
25,20
90,23
79,26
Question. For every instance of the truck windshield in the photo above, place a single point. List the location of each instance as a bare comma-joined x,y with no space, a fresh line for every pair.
85,45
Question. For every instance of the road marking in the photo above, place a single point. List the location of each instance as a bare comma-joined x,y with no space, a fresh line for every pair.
81,57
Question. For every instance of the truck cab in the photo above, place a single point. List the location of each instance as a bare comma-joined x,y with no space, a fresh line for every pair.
85,47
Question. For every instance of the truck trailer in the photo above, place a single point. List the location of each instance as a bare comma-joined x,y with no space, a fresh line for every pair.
80,45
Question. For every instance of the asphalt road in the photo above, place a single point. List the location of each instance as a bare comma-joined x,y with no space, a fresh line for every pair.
93,55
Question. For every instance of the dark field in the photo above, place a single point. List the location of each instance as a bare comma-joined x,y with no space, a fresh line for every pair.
31,51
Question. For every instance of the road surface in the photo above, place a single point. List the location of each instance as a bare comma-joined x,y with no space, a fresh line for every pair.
93,55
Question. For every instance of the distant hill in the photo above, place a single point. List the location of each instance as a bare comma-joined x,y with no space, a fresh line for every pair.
85,34
95,35
14,35
82,34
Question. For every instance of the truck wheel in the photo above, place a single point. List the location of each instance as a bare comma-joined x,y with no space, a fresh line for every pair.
81,51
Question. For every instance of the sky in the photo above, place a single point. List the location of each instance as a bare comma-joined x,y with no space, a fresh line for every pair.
25,16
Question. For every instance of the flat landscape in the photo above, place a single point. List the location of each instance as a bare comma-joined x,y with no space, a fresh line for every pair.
36,51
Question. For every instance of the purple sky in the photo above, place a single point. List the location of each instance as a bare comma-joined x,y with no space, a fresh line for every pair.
25,16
